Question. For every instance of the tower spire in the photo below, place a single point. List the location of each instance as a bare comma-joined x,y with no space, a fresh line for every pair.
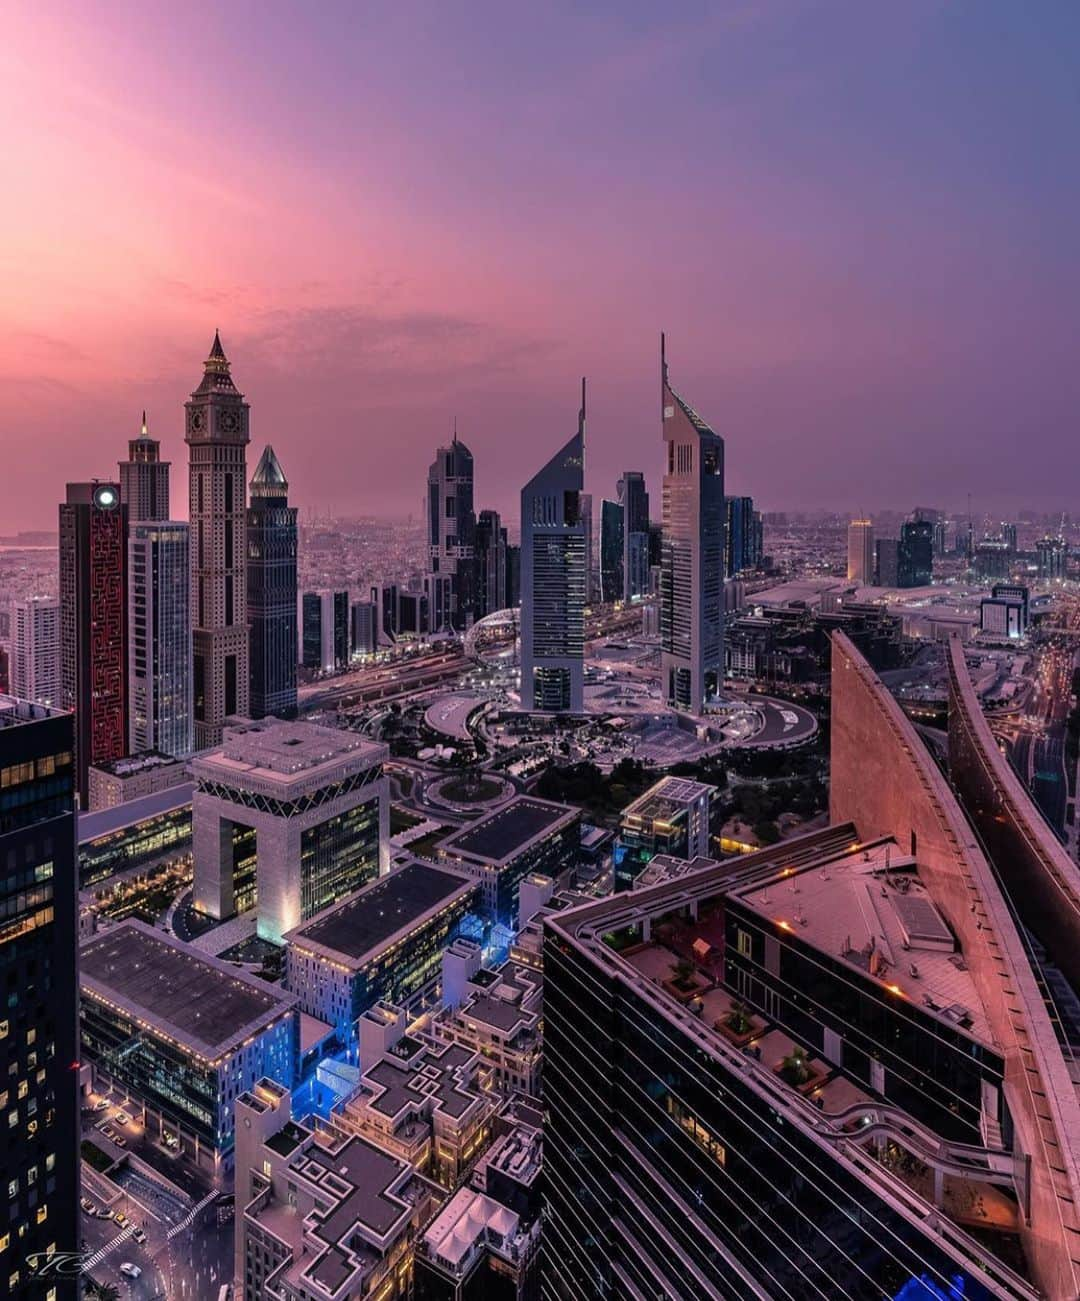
581,413
663,358
217,362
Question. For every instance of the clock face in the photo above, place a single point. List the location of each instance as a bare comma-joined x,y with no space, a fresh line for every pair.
228,422
195,421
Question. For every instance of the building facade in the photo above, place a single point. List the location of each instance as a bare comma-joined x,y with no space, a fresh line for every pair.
160,697
144,479
452,529
553,565
38,1032
216,422
324,635
744,546
860,551
93,622
35,650
490,563
288,818
672,817
612,551
915,559
692,570
271,592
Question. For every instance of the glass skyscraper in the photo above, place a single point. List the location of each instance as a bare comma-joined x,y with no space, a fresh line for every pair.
159,639
271,581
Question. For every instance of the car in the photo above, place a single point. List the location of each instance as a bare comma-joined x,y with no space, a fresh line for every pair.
87,1205
102,1104
139,1236
122,1118
129,1270
121,1219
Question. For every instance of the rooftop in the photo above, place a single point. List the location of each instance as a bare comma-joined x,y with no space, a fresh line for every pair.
362,925
668,797
137,763
276,755
508,831
467,1218
92,826
436,1080
14,712
175,992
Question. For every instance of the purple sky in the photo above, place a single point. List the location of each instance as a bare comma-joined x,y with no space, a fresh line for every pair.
857,223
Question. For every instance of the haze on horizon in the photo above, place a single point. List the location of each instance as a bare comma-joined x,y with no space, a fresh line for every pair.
855,221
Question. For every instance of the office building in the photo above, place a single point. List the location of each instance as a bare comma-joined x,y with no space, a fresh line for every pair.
993,558
38,1032
93,623
553,581
320,1213
121,780
692,572
452,530
915,556
135,835
1014,592
1002,617
217,435
524,836
490,564
672,817
635,534
289,817
887,562
437,595
743,536
35,650
591,592
271,592
860,551
181,1034
324,631
144,479
513,575
612,551
385,600
1052,554
364,618
160,696
383,943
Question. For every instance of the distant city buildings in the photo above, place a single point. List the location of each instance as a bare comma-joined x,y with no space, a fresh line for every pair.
217,437
692,572
553,563
94,622
39,1049
744,542
35,650
364,630
490,564
452,530
160,704
1051,554
612,551
324,635
915,556
635,534
887,562
271,591
144,479
861,561
591,591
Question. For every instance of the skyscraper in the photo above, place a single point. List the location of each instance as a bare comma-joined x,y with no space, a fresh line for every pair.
38,1032
35,650
887,562
860,551
553,580
217,435
635,504
1052,554
271,591
93,622
144,479
611,550
692,568
590,554
490,563
452,526
324,632
743,539
159,638
916,557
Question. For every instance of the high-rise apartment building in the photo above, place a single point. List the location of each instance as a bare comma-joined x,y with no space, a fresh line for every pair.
159,639
860,551
217,437
553,580
692,572
452,527
93,622
611,550
35,650
490,563
271,591
38,1033
635,530
144,479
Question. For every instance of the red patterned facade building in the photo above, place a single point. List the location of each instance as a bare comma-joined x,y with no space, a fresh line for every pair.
93,622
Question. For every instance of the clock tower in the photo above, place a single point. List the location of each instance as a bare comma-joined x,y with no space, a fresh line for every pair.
217,435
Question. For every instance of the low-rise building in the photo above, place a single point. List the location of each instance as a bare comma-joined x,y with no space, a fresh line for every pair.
321,1215
672,817
525,835
136,835
383,942
182,1034
120,780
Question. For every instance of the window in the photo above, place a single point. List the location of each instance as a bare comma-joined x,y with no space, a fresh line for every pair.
744,942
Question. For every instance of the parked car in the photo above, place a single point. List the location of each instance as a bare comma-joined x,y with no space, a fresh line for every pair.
102,1104
139,1236
121,1219
129,1270
87,1205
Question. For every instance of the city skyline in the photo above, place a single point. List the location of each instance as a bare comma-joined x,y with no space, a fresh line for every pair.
814,278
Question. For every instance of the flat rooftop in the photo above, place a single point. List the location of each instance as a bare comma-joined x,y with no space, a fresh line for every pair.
276,753
92,826
670,795
435,1078
14,712
508,831
362,925
134,764
207,1005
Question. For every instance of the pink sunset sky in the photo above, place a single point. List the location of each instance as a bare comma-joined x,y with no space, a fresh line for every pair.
856,222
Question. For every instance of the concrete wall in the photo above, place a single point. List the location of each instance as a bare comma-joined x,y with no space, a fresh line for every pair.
885,781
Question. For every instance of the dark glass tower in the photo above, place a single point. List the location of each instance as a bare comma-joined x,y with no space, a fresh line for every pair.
271,591
916,556
490,564
611,550
635,503
452,527
39,1142
93,622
